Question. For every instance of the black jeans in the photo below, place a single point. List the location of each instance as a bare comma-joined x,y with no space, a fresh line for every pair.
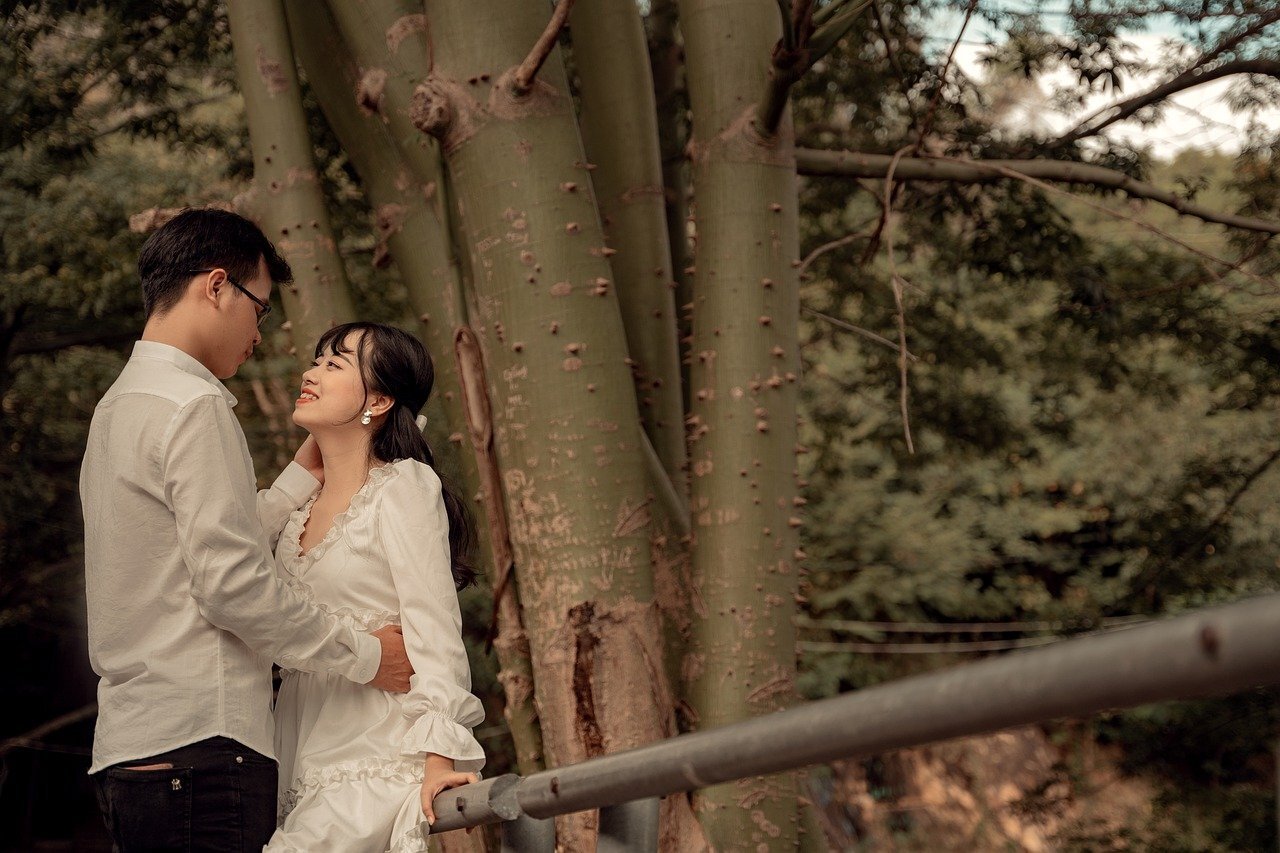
218,796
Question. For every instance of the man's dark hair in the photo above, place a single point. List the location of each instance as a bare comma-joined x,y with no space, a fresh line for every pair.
200,240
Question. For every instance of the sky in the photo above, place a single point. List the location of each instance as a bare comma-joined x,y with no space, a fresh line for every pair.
1197,118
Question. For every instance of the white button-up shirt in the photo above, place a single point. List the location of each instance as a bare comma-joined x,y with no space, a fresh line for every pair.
185,610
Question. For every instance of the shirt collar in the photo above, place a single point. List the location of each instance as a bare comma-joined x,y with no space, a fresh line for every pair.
184,362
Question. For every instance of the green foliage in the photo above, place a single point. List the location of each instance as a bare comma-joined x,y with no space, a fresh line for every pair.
1092,410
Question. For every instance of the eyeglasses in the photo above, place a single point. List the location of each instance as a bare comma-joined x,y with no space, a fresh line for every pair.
266,307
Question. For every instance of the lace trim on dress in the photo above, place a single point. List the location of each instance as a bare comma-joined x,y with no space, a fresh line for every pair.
291,539
360,618
398,769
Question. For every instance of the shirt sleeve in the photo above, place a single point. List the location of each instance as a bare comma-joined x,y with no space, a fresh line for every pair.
292,489
208,482
414,532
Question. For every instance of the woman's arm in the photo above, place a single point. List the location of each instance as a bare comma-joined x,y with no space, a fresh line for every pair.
295,485
414,534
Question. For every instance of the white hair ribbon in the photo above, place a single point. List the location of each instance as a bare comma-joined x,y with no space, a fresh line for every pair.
421,421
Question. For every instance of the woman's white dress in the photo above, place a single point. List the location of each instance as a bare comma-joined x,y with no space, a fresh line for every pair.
351,757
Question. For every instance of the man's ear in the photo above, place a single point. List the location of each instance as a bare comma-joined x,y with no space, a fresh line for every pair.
210,285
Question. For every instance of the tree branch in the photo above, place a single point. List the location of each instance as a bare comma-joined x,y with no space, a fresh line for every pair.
528,69
858,330
1189,79
791,62
36,344
854,164
924,128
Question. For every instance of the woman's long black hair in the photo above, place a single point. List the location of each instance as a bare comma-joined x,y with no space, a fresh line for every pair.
396,364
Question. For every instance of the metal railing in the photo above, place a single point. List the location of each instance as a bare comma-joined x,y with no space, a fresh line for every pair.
1214,651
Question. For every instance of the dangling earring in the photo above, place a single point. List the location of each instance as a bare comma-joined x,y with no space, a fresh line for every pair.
366,417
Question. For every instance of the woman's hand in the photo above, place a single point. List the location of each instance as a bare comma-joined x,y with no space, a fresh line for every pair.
308,456
440,776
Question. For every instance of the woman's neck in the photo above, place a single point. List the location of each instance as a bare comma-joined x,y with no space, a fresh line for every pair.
346,462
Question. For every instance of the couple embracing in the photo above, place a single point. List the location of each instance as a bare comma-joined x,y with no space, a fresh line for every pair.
345,573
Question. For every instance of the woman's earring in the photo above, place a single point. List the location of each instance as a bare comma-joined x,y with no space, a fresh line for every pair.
366,417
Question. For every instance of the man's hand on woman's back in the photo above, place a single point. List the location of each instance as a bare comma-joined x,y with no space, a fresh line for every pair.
395,669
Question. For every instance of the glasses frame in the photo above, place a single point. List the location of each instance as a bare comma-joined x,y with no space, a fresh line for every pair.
265,306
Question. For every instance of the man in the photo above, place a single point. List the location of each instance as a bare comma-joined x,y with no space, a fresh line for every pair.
185,611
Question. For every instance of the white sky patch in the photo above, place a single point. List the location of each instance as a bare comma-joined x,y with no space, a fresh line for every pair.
1195,118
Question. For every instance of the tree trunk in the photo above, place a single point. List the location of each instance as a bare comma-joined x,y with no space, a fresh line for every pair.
612,61
666,62
286,198
412,226
566,423
610,55
743,382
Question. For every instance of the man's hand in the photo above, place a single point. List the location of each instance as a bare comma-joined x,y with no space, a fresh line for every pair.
308,456
395,669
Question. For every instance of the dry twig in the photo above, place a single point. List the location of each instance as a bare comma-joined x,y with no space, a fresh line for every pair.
528,69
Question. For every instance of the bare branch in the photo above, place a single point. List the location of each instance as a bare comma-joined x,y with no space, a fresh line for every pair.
528,69
855,164
942,79
790,63
834,244
1197,76
897,282
858,330
1165,235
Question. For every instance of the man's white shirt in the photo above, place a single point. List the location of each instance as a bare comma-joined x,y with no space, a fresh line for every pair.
185,610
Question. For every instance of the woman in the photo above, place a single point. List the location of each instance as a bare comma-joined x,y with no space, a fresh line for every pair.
382,542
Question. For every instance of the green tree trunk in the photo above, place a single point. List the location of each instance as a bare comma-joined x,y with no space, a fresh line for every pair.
744,395
566,422
411,224
612,62
286,198
616,88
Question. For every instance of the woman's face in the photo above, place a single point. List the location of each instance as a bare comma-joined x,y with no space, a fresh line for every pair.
332,393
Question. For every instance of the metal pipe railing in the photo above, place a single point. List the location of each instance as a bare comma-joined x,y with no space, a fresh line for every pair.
1214,651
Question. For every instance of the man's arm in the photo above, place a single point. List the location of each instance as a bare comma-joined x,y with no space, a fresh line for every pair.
211,492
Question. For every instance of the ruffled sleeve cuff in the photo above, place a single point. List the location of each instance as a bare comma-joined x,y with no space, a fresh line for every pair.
433,732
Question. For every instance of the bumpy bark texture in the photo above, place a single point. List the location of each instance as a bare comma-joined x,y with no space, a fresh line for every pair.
743,383
566,423
617,104
286,198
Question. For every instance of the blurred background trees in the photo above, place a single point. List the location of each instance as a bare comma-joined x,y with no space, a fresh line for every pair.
1091,401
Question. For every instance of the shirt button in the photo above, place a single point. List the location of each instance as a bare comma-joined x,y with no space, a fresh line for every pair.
239,759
